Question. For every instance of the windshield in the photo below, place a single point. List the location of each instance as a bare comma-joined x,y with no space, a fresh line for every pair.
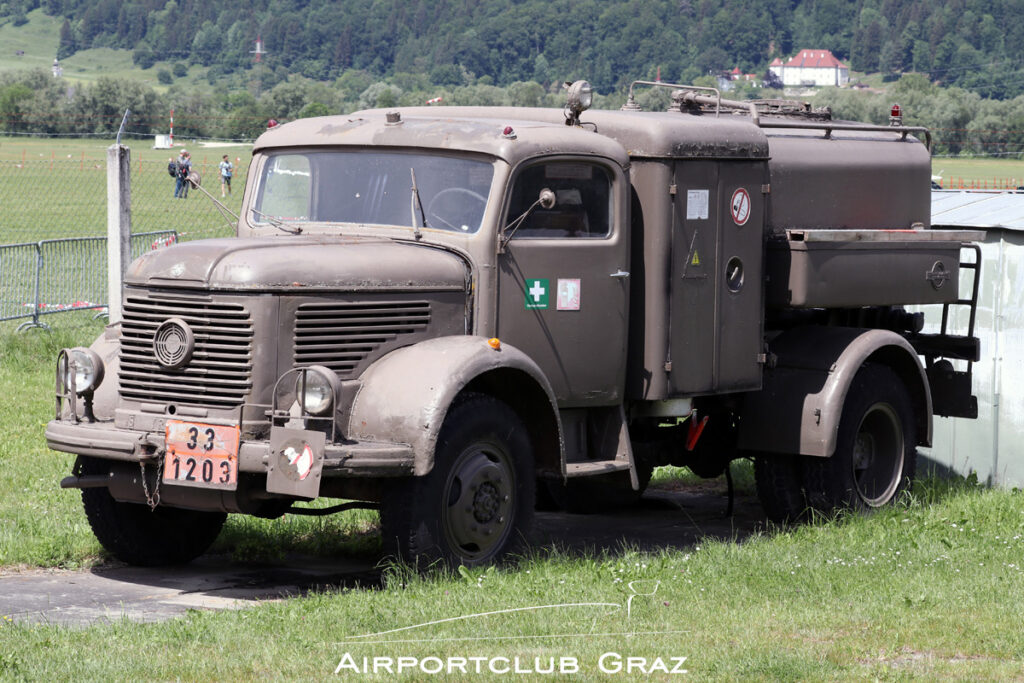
373,187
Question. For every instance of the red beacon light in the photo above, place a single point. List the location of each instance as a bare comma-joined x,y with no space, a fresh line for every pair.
896,115
508,133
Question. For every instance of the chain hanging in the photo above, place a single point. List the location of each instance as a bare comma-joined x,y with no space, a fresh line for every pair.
152,499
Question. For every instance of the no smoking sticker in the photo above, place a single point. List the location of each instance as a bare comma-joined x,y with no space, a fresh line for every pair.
739,206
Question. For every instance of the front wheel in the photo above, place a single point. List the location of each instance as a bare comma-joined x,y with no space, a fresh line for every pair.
476,504
137,535
876,452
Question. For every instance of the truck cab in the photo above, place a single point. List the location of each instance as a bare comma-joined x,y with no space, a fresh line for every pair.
440,312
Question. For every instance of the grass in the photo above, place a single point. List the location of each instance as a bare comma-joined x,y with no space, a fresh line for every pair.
58,188
997,173
917,591
38,40
930,588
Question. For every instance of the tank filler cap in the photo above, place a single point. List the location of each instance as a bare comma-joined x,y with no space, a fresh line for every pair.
393,118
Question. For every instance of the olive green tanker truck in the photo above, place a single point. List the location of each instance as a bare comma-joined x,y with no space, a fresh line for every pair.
449,313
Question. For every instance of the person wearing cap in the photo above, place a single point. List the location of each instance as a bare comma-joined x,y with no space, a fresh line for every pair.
184,168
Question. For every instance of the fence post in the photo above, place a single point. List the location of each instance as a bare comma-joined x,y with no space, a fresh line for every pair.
119,224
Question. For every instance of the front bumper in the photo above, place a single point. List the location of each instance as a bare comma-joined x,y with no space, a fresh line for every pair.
104,440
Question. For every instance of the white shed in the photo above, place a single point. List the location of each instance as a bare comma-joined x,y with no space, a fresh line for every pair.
993,445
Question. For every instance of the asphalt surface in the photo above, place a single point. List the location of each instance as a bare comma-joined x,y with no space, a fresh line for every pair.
106,594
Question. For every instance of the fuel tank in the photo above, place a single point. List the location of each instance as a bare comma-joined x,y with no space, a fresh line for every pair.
847,179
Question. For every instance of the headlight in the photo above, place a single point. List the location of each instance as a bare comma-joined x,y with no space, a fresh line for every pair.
86,368
315,389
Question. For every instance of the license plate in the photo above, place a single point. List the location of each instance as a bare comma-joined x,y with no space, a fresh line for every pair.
201,455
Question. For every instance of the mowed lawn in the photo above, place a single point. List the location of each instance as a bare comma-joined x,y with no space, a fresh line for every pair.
931,588
981,172
56,188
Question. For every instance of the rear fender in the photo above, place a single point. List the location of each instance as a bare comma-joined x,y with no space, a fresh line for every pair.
404,396
801,402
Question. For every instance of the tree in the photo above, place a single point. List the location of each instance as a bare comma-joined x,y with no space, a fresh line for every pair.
12,98
525,94
66,41
314,109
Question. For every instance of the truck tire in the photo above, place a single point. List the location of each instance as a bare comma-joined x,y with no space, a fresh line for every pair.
139,536
779,483
476,504
876,447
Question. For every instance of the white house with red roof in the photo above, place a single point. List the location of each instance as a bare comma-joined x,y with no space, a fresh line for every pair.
811,68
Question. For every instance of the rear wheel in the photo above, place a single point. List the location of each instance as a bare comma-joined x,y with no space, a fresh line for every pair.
779,481
876,454
476,504
137,535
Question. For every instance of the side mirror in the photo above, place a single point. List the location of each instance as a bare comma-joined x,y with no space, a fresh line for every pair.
546,200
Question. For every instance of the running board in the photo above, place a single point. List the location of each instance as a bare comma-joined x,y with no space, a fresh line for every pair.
586,469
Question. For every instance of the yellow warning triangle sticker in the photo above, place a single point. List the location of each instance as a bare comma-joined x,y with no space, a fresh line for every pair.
695,261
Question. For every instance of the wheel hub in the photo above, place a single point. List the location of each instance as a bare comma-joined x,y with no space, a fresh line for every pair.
878,455
479,499
485,502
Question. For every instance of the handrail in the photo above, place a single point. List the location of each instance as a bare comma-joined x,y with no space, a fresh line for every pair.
691,96
829,127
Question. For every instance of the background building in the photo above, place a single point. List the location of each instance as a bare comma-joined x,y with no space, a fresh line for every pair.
811,68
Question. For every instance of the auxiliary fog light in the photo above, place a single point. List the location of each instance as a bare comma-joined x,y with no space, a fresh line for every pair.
316,388
581,96
84,367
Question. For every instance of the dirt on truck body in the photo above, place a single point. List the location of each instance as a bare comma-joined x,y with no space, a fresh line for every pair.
451,313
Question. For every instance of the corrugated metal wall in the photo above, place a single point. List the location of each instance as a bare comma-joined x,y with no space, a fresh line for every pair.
993,445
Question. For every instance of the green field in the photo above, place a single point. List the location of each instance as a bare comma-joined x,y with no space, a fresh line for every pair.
928,589
38,41
53,188
992,173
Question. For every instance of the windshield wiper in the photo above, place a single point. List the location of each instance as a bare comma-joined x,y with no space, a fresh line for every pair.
279,224
414,203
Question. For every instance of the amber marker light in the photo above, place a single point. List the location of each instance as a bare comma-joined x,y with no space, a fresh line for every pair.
494,343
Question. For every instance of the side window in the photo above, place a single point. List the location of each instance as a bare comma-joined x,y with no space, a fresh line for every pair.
583,204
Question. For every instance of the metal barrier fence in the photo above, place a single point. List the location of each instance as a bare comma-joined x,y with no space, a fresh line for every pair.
57,275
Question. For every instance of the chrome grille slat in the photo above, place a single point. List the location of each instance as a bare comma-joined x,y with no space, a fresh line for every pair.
342,335
219,374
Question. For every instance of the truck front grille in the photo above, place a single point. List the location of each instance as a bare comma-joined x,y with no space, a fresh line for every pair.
341,336
218,373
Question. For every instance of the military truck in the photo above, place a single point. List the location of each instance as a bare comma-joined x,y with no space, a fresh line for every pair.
450,313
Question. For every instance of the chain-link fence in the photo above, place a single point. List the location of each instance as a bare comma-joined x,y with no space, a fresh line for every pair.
48,198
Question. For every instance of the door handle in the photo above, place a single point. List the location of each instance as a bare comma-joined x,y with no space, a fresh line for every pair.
619,274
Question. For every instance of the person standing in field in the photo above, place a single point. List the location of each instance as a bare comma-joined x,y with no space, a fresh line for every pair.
172,170
226,168
184,167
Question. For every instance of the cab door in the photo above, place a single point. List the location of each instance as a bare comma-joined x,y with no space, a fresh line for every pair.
563,282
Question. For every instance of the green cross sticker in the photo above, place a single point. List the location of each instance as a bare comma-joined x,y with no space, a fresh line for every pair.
537,293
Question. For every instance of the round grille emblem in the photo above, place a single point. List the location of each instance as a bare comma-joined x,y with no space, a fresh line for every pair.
173,343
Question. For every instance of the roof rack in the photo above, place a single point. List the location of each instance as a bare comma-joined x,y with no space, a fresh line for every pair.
689,99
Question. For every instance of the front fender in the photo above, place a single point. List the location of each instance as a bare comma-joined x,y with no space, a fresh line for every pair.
404,396
801,402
